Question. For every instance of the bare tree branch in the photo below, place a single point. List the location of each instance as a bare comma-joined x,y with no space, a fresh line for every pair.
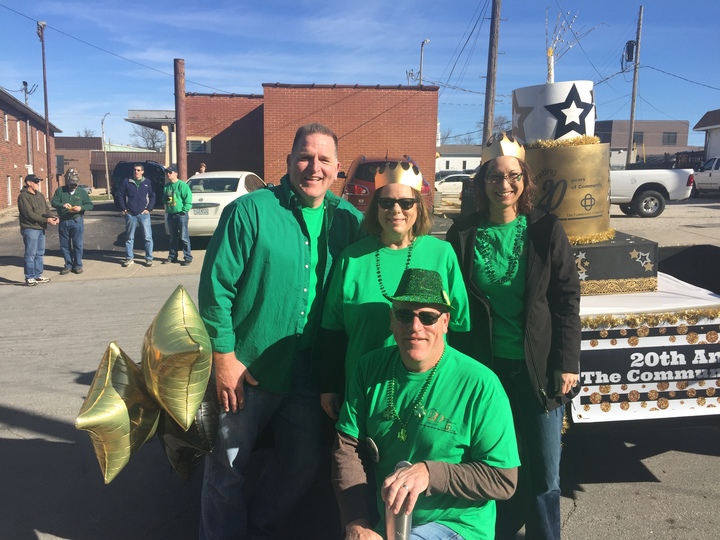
145,137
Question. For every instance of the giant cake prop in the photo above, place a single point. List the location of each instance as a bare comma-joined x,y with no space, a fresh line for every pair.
572,170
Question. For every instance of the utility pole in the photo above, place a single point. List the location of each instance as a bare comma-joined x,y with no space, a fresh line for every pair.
41,34
107,175
422,48
628,159
491,71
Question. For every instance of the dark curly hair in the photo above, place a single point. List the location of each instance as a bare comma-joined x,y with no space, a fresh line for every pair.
422,224
527,197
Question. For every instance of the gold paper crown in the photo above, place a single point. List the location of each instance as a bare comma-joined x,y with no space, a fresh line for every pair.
502,145
398,172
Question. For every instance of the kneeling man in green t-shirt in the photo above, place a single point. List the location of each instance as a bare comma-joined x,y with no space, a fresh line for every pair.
424,403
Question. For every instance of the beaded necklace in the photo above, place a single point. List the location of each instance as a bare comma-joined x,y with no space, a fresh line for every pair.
377,264
485,250
417,409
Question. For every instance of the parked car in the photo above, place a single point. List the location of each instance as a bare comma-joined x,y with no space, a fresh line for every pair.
360,180
212,192
452,184
153,171
707,177
86,188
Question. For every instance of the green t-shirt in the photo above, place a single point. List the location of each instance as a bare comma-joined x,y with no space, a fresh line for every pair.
468,420
355,304
313,220
496,246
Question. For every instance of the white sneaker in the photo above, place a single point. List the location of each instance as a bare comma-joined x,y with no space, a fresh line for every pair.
127,262
30,282
42,279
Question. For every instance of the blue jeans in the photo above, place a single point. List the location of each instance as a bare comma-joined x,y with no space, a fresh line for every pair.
131,223
34,240
231,508
71,234
433,531
536,502
178,226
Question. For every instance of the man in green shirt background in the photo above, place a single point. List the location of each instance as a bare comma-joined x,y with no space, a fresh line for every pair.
261,288
177,198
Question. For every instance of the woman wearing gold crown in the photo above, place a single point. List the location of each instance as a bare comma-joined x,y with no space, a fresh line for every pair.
356,314
525,300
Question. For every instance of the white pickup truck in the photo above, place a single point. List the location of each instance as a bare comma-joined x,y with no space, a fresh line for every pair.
644,192
707,178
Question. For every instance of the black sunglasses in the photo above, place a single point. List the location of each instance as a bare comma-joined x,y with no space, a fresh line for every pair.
387,203
406,316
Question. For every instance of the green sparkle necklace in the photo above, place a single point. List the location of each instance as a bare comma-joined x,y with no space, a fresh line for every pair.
377,264
485,250
417,408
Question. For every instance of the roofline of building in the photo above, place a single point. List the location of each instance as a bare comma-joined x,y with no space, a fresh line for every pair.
423,87
4,96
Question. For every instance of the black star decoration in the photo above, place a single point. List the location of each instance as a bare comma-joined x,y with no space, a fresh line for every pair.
570,114
520,114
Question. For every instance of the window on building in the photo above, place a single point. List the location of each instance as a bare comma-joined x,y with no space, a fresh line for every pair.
19,139
198,145
464,164
5,125
447,165
638,137
669,137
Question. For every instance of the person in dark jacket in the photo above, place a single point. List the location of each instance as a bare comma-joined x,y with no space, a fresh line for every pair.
71,202
135,198
524,292
35,216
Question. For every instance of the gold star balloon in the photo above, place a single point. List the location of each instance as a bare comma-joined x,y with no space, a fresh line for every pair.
177,357
118,412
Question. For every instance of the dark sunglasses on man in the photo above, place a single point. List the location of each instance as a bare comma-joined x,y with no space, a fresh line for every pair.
406,316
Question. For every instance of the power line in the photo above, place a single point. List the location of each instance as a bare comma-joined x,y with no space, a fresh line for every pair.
112,53
681,78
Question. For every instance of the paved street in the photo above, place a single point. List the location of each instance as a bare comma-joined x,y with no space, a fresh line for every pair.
648,481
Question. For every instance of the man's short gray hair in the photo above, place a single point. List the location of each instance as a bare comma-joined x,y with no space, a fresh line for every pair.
310,129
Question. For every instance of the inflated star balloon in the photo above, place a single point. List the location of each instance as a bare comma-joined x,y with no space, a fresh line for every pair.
125,401
177,357
118,412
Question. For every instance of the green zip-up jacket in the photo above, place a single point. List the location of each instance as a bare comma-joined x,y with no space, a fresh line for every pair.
79,198
253,291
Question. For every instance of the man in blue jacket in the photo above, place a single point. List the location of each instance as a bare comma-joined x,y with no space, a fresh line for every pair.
136,198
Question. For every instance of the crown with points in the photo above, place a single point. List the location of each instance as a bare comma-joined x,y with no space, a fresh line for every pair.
502,144
398,172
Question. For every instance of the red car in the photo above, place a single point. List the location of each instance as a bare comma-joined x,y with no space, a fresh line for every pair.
360,184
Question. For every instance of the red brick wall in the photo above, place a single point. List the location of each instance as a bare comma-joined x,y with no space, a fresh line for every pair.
368,120
13,156
235,124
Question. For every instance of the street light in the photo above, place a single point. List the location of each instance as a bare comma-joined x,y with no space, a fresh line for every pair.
422,47
107,175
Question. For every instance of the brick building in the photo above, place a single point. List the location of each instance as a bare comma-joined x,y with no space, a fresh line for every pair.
251,132
24,149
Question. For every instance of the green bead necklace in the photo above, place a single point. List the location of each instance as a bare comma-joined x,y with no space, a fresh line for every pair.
485,250
418,407
377,265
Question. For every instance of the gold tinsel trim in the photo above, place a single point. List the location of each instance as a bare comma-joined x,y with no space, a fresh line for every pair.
635,320
618,286
582,140
594,238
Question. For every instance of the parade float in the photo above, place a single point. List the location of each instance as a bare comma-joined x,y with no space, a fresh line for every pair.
649,340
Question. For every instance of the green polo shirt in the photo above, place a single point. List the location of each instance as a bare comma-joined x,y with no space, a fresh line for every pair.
254,293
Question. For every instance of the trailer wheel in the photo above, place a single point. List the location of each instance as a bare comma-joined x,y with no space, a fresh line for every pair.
649,204
628,210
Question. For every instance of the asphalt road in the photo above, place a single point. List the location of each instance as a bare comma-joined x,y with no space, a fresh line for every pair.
654,480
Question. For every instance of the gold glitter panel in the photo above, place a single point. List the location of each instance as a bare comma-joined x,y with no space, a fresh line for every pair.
618,286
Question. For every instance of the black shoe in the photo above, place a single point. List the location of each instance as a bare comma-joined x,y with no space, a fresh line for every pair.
148,262
77,270
185,262
64,271
170,261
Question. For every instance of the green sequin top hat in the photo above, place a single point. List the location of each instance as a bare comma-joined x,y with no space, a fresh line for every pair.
421,287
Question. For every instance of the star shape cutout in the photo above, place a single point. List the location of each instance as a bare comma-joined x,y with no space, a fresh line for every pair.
574,118
634,254
520,114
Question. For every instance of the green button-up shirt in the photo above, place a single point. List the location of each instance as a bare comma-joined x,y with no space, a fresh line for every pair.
254,286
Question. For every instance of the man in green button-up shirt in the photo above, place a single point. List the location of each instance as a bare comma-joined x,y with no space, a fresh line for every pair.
261,288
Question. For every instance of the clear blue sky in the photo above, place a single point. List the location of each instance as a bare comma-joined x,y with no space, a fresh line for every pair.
112,56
